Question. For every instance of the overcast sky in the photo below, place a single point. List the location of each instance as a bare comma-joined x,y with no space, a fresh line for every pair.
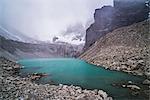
46,18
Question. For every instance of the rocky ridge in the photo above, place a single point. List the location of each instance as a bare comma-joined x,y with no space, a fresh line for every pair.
125,49
13,87
108,18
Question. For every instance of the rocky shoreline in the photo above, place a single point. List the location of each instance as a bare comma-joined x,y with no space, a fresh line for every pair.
125,49
13,87
129,60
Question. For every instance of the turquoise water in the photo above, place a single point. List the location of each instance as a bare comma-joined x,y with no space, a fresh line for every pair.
79,73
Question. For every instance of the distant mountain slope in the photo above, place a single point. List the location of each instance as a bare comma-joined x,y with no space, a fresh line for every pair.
126,49
19,50
16,35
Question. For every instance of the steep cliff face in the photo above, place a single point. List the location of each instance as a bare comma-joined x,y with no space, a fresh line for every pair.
126,49
107,18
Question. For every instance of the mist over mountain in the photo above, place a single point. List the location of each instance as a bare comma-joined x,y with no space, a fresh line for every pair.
55,49
16,35
43,20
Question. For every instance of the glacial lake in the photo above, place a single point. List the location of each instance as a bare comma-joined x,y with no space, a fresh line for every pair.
76,72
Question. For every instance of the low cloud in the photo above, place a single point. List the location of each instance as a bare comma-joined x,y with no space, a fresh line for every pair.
46,18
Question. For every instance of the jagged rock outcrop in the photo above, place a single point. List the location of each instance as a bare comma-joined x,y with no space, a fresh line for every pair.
126,49
108,18
18,50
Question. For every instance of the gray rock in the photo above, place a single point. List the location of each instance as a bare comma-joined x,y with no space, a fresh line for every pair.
133,87
147,82
81,97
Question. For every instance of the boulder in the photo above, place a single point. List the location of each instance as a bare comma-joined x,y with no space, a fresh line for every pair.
133,87
146,82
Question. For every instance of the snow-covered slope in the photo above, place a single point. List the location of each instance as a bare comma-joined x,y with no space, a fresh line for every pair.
71,39
74,34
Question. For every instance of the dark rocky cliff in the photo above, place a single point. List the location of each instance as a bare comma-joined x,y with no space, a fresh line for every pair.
108,18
